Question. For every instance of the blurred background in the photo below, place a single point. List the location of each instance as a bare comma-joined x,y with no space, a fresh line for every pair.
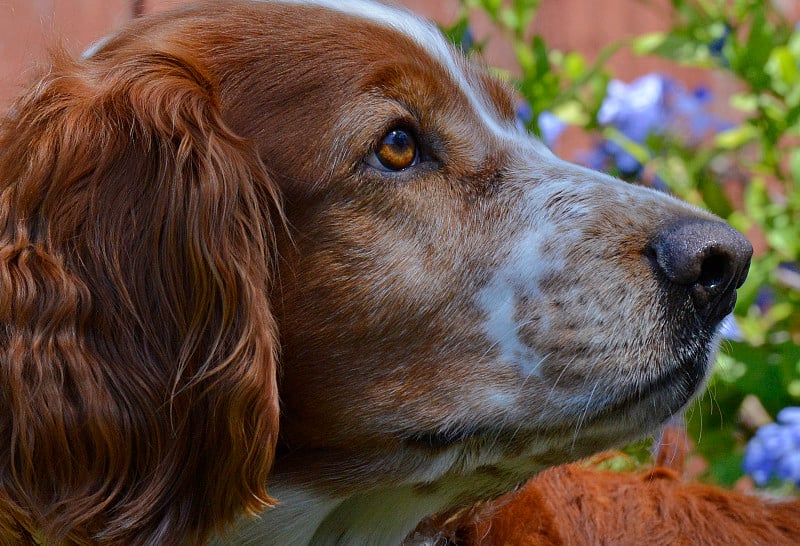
699,98
28,27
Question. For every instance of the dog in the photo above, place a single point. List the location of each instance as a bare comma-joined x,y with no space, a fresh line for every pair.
305,248
580,504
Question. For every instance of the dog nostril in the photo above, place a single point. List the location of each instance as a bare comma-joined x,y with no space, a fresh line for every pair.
714,271
709,258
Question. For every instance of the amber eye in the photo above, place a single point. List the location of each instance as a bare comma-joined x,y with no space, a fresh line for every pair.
396,151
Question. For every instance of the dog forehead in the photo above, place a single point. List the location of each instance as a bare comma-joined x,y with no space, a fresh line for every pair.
324,55
421,31
429,43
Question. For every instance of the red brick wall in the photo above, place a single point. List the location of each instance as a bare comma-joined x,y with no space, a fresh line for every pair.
28,28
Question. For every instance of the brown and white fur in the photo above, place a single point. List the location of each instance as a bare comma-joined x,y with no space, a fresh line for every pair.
210,288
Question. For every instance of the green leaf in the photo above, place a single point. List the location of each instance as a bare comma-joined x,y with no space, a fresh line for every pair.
526,11
794,167
491,7
679,48
782,67
753,55
793,43
572,112
574,65
648,43
784,240
456,33
525,58
714,195
641,153
744,102
540,54
736,137
509,19
756,199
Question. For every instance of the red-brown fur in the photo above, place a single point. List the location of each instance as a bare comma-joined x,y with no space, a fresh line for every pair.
194,202
137,338
136,267
579,505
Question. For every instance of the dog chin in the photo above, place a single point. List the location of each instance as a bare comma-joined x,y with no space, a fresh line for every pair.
647,407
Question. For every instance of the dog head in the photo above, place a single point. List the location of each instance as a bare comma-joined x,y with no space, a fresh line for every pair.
332,187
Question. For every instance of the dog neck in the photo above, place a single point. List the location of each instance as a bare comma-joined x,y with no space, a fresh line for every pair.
378,518
381,516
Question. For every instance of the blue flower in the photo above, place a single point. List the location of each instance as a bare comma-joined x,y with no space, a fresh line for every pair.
636,109
757,462
774,451
467,40
524,113
717,45
658,184
651,105
774,438
789,416
788,274
789,467
703,94
765,299
689,115
551,127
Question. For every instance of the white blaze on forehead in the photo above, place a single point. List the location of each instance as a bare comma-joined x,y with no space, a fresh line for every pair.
427,36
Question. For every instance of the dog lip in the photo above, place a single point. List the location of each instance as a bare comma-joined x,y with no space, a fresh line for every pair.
499,437
672,389
684,378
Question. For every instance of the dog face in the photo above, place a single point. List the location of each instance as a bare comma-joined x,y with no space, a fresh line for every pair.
480,294
456,307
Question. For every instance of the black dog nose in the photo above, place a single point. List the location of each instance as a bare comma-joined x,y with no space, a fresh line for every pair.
710,258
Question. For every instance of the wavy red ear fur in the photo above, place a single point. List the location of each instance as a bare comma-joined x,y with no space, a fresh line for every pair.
138,398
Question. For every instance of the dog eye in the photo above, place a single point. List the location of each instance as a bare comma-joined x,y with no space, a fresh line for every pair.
396,151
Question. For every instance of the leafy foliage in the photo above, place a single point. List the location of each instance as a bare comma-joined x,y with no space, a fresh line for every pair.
745,169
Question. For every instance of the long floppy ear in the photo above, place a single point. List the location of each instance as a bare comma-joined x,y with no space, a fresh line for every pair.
138,398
